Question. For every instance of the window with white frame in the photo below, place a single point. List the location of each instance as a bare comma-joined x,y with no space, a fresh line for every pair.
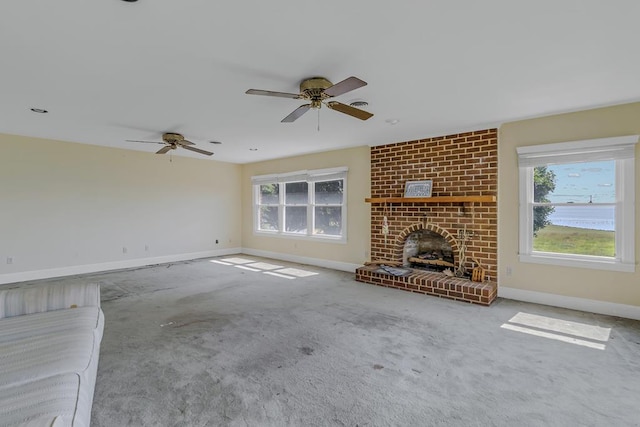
303,203
577,203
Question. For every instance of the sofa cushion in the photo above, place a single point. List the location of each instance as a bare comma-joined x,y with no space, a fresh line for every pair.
49,354
58,342
37,298
41,357
47,402
51,322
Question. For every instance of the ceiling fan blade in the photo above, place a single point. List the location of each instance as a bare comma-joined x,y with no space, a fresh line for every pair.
186,142
197,150
146,142
272,93
296,113
344,86
164,149
347,109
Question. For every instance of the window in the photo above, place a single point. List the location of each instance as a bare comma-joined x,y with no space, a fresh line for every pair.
305,204
577,203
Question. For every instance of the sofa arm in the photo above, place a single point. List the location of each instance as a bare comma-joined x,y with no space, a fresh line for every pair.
42,297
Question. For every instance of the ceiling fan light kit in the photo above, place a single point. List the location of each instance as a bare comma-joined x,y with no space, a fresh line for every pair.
318,90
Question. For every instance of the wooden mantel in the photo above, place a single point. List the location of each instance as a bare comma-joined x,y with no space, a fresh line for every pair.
441,199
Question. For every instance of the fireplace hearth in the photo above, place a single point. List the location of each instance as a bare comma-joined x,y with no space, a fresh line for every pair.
427,250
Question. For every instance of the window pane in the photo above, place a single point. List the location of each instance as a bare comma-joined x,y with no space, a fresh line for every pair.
328,220
579,230
296,193
296,219
268,218
329,192
269,194
595,217
587,182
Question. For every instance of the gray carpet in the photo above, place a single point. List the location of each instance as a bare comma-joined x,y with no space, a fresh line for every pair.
204,344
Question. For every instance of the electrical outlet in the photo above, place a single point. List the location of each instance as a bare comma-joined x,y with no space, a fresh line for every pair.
216,241
146,248
124,249
509,271
9,260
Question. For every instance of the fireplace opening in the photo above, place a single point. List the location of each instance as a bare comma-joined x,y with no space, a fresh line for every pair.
428,250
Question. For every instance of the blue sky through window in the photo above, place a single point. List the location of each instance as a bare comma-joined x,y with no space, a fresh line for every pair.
582,182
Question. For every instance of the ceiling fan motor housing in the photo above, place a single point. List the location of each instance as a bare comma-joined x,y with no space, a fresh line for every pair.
172,138
313,90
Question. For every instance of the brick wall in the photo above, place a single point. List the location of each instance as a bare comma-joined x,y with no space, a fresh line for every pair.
464,164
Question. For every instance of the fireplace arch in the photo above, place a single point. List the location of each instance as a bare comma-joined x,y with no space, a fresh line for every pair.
398,248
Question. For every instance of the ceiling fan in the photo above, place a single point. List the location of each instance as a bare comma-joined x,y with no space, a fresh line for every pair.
172,141
318,91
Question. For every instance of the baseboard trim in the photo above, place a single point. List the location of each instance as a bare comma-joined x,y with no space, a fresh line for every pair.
318,262
582,304
108,266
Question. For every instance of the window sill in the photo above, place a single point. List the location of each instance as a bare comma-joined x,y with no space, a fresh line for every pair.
590,262
314,238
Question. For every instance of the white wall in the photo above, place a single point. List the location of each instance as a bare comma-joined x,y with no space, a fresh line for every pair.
68,208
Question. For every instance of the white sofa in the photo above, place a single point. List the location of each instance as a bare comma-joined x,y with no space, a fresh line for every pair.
49,347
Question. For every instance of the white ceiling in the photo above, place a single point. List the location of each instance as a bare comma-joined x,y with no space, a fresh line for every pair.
109,70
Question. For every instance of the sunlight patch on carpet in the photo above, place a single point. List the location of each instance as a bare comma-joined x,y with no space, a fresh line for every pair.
244,267
583,334
238,260
297,272
271,273
265,266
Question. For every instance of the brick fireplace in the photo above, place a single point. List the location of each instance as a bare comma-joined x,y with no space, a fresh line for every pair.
460,165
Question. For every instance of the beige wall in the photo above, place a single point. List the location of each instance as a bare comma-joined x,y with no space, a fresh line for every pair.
66,204
606,286
355,251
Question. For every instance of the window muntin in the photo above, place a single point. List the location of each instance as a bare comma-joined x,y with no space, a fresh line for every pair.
309,204
596,196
